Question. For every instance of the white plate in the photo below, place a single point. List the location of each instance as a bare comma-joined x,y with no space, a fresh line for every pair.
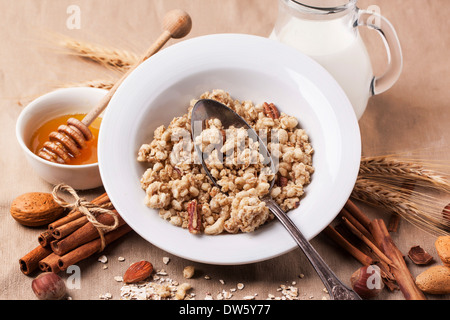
250,68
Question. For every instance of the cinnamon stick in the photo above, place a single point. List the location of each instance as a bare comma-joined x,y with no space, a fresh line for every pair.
355,222
66,229
30,261
371,245
86,250
83,235
394,222
344,231
72,215
45,238
346,245
44,258
358,214
50,263
401,272
75,214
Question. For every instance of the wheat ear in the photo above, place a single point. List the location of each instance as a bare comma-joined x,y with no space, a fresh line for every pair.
101,84
420,209
400,170
118,59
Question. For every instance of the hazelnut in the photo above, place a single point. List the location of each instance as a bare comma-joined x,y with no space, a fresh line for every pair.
49,286
367,282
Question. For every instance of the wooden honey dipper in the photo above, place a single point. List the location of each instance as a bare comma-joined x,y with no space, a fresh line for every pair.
67,141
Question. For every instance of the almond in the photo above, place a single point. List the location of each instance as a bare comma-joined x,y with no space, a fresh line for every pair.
35,209
138,271
442,245
434,280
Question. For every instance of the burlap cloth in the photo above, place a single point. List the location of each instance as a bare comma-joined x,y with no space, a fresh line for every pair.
411,116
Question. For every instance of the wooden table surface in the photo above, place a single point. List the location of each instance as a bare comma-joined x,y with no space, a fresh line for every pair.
413,115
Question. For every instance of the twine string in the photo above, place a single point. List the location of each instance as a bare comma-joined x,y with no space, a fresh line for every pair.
88,209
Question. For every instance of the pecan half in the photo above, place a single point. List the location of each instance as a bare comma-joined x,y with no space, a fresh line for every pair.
195,220
271,111
224,135
282,181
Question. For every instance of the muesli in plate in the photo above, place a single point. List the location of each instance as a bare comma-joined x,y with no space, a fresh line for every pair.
176,184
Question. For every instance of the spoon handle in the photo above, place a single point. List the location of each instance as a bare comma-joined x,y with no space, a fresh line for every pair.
336,289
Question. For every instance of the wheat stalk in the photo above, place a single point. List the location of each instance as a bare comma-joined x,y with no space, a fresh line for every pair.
118,59
406,171
415,189
101,84
419,208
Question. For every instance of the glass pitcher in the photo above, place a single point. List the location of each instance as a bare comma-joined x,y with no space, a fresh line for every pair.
327,31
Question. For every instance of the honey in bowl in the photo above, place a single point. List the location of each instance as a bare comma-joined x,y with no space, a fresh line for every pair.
88,154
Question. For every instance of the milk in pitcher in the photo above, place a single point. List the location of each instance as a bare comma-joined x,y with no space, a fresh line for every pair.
339,48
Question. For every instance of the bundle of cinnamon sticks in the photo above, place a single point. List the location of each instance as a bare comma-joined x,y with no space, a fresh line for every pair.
71,239
369,242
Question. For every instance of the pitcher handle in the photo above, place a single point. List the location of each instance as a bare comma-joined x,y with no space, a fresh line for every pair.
394,50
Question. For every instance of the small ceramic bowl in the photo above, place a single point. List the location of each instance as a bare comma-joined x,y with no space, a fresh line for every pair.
47,107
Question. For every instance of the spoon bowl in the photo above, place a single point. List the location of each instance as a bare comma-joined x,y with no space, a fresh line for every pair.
206,109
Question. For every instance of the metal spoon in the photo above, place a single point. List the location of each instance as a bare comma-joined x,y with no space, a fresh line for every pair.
207,109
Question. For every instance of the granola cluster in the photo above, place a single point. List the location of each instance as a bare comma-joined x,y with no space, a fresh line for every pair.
177,185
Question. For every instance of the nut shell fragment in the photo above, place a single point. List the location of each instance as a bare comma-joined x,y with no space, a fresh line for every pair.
419,256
